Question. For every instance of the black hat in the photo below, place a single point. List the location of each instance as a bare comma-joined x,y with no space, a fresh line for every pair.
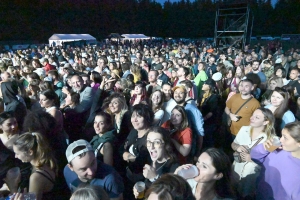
210,82
158,67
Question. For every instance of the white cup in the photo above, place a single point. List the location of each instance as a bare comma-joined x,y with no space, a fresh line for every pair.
189,173
140,187
13,173
275,144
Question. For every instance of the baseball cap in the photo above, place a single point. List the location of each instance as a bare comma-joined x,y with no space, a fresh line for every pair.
69,152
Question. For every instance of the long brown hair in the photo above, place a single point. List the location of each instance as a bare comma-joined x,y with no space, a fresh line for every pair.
185,122
36,143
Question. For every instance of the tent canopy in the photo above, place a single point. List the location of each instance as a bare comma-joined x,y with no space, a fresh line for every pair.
135,36
59,38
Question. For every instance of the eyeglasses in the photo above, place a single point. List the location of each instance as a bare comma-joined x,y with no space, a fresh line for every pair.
156,143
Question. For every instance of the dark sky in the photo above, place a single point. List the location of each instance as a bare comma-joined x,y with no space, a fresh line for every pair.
162,1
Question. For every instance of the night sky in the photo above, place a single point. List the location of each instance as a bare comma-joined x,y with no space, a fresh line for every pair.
162,1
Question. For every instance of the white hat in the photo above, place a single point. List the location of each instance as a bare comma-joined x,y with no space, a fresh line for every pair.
217,76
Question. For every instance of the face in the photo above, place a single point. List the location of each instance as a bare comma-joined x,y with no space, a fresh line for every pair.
238,70
255,66
156,98
179,95
152,76
84,167
138,89
258,119
21,155
207,172
167,90
99,125
245,88
155,146
9,126
288,142
276,99
45,102
279,73
293,75
200,66
229,74
176,117
77,83
205,87
115,106
137,121
180,72
272,85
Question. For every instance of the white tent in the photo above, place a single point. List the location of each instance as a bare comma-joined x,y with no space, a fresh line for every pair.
135,37
57,39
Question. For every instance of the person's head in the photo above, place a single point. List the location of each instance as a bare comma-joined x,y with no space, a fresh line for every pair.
33,146
201,66
77,83
157,99
159,144
89,192
140,88
8,123
102,122
279,98
86,79
81,160
294,74
53,74
167,90
246,86
215,167
255,65
263,117
209,85
183,72
170,187
180,94
116,103
275,82
280,72
142,116
179,118
72,98
9,90
48,98
152,76
290,139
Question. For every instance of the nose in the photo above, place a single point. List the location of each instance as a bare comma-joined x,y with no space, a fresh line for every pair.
89,172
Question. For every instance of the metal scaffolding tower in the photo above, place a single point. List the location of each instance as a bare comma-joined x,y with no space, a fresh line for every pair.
233,25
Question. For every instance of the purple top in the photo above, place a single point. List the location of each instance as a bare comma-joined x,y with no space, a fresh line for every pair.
280,174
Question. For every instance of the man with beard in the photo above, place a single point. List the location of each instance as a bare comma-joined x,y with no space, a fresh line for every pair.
169,104
194,116
237,101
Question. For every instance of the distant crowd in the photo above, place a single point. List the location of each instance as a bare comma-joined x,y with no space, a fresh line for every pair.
90,122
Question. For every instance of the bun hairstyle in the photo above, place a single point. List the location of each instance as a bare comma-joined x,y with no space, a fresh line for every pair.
36,143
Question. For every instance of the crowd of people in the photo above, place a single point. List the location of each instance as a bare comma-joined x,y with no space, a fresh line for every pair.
90,122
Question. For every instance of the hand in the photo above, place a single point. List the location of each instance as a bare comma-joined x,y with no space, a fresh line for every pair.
267,144
135,192
187,166
149,171
128,157
242,149
246,157
233,117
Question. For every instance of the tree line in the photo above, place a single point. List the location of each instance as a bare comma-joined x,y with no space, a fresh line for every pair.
39,19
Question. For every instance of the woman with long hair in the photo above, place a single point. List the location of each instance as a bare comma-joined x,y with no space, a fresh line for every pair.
103,141
96,79
272,84
280,109
136,72
214,179
279,179
139,94
181,133
163,159
246,172
34,149
157,100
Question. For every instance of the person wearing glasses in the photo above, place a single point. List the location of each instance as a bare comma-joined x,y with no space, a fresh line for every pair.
163,159
280,108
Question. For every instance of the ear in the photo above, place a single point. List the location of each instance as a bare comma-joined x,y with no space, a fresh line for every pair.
30,152
252,88
218,176
70,166
266,122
